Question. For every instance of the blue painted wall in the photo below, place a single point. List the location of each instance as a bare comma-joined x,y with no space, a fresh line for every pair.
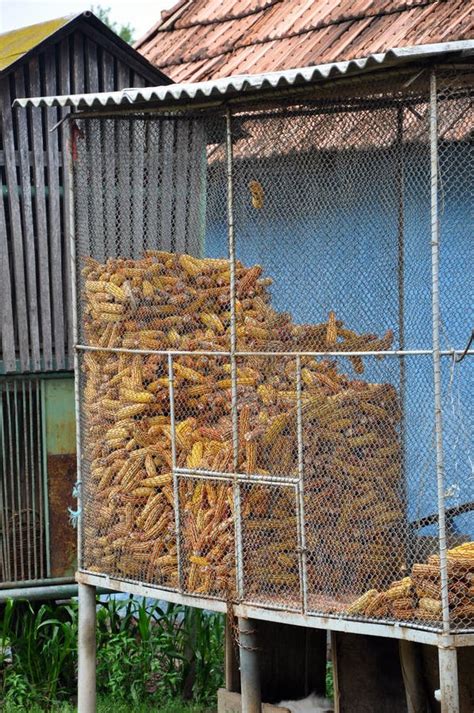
328,237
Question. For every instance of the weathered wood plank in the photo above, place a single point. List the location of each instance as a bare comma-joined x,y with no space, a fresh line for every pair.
138,80
36,122
166,194
197,190
92,74
138,176
17,157
16,229
183,198
137,186
124,234
152,188
65,88
7,332
78,64
107,82
80,186
96,224
28,229
54,214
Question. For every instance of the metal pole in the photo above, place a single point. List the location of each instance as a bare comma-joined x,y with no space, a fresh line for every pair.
233,361
447,656
249,671
407,538
207,352
300,491
448,679
436,351
86,681
86,686
175,473
40,592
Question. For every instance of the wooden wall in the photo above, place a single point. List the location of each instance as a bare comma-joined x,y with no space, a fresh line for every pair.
35,279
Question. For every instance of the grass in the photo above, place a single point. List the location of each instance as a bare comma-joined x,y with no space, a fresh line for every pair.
149,657
107,705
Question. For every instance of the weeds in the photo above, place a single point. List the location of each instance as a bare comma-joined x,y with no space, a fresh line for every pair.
145,653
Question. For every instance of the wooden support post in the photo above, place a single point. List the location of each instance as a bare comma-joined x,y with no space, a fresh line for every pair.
412,672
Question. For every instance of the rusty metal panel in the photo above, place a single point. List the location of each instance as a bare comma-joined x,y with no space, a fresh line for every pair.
204,40
23,516
60,457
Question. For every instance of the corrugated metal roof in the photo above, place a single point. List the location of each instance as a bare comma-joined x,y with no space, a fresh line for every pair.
204,39
233,86
17,43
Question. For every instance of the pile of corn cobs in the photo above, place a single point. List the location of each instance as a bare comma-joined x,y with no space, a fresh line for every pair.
419,595
349,453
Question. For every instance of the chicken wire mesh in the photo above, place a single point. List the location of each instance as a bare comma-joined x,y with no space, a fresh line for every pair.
256,369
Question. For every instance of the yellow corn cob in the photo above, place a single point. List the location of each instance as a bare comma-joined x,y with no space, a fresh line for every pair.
276,427
130,411
115,290
190,266
432,606
331,333
157,480
187,373
213,322
199,561
148,289
142,397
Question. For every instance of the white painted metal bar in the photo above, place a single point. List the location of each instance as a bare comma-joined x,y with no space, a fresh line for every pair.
242,477
436,349
448,679
202,352
412,632
300,490
86,679
233,359
175,471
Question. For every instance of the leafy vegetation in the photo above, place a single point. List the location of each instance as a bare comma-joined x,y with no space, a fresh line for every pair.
147,654
124,31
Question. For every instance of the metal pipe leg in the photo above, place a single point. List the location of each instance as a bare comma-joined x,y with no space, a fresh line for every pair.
249,671
448,679
86,684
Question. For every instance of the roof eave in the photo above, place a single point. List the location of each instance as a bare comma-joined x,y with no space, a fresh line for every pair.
202,92
85,20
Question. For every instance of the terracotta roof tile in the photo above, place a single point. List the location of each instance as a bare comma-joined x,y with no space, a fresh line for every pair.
205,39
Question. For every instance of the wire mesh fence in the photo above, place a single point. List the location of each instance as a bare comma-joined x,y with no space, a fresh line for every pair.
256,352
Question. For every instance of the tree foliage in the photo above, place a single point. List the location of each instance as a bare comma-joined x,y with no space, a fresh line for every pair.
126,32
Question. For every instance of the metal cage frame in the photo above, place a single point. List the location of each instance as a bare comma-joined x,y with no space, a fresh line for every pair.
443,636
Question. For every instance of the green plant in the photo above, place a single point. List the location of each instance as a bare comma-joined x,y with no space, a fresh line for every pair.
42,640
123,31
146,652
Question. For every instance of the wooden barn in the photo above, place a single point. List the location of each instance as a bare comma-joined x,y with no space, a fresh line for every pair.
72,54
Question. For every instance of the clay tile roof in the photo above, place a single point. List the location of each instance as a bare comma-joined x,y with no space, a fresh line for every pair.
206,39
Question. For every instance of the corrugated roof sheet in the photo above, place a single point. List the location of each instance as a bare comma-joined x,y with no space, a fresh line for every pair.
16,43
203,39
233,86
